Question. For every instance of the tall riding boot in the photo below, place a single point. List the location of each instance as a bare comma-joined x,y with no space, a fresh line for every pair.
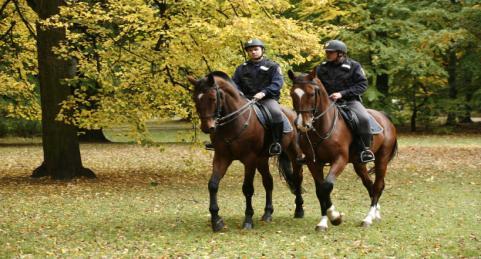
277,130
366,154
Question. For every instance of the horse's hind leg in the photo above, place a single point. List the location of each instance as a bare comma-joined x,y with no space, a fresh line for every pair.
295,181
263,167
374,189
248,190
219,168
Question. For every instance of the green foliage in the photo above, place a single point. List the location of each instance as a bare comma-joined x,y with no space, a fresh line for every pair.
19,127
133,56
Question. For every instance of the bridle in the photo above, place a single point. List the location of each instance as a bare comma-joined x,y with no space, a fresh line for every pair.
224,120
314,110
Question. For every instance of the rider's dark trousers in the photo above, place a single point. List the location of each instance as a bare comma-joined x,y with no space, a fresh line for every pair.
275,109
363,129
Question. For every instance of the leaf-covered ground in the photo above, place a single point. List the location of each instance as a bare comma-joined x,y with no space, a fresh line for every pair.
152,201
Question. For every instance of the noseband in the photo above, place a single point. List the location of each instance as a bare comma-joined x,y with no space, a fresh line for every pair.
317,93
221,121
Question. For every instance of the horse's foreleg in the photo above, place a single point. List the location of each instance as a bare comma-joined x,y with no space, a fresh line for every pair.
263,167
318,175
248,190
335,217
219,168
294,153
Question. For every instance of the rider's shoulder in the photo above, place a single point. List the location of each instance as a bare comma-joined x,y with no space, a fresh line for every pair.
270,63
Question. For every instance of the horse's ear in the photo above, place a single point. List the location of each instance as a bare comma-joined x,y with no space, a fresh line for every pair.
210,80
313,73
192,80
291,75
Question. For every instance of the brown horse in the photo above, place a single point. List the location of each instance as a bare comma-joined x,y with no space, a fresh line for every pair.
326,138
237,134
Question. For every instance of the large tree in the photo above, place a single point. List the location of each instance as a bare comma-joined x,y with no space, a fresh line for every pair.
60,143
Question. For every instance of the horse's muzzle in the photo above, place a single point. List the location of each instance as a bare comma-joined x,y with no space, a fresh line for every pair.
303,127
207,127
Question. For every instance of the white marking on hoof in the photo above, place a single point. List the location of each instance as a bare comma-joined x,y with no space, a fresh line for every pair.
322,226
377,215
332,213
370,216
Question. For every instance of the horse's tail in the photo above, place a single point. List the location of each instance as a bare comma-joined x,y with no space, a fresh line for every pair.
394,151
285,170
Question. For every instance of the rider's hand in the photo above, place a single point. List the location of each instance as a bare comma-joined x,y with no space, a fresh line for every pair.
259,95
335,96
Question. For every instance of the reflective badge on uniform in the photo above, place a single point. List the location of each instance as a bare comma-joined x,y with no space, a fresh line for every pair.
346,66
264,68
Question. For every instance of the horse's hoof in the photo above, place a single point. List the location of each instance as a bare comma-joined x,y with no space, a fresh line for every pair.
248,225
266,218
321,228
217,225
299,214
338,221
365,224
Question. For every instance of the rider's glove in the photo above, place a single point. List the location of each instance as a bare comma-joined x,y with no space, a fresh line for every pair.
259,95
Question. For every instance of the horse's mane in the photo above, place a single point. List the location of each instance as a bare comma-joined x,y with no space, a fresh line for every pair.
233,88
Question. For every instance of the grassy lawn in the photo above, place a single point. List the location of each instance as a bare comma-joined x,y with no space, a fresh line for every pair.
151,201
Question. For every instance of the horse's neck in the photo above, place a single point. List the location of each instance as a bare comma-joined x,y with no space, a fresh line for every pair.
232,102
324,122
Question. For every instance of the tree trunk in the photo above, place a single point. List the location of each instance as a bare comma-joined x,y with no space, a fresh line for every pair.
382,85
466,118
414,111
61,149
451,120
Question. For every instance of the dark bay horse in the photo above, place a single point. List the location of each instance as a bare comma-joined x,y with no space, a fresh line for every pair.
237,134
325,138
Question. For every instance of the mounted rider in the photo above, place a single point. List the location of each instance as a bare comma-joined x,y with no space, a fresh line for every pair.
345,81
261,79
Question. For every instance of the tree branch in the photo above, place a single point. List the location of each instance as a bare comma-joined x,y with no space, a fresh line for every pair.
172,80
264,10
203,57
8,31
32,5
30,29
233,8
4,5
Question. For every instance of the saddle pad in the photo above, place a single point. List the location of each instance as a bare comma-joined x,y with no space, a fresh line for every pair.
287,127
375,127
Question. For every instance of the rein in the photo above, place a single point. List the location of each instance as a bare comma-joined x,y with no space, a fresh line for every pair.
222,121
316,117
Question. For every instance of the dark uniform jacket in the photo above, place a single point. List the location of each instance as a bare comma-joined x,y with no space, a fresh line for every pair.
347,78
264,76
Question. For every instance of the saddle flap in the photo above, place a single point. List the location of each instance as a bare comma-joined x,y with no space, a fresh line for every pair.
266,121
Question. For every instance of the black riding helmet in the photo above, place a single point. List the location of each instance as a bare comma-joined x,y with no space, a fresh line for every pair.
335,45
254,43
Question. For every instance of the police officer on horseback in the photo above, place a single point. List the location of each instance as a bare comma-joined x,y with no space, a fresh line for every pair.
345,82
261,79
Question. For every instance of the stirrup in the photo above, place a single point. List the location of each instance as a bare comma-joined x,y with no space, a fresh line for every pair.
367,156
209,146
275,149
